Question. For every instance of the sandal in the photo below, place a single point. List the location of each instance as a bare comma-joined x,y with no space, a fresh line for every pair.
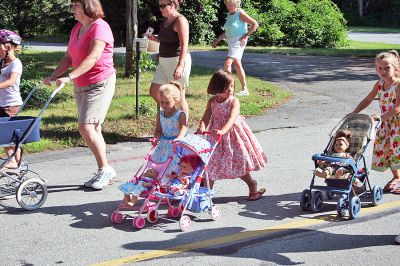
396,191
243,93
390,185
256,195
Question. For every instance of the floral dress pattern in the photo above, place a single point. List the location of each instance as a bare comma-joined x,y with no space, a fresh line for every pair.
386,153
238,152
170,130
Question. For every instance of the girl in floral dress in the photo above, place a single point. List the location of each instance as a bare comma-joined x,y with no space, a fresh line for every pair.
386,153
170,124
238,152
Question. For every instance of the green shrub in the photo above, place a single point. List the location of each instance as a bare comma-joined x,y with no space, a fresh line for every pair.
40,96
318,24
201,15
306,23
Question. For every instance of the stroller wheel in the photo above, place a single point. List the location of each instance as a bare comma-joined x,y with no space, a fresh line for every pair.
354,207
138,222
215,213
330,195
341,206
316,201
185,223
116,217
31,194
377,193
152,216
305,199
175,212
181,206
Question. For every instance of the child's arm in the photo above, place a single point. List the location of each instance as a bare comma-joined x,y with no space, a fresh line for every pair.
10,81
396,108
367,100
234,114
206,118
157,130
182,126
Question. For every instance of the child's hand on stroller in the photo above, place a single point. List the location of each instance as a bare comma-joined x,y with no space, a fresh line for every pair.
200,130
218,132
376,117
154,141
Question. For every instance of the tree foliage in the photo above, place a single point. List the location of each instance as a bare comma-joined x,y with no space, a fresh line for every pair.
31,17
301,23
384,13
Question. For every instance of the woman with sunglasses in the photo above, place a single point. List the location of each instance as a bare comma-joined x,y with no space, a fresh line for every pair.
90,54
174,61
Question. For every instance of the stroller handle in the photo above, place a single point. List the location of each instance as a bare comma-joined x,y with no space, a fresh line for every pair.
219,136
52,95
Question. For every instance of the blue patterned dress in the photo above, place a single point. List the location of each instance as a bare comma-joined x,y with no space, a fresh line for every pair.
170,130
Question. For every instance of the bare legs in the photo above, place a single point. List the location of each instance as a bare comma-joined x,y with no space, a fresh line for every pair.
155,88
14,161
91,134
237,64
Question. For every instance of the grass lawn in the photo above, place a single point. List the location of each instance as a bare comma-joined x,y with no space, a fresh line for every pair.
59,127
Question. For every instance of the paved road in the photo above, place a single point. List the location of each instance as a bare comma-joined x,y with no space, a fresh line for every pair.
379,37
74,228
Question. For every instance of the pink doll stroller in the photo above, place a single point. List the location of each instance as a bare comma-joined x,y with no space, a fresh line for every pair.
30,191
196,198
124,211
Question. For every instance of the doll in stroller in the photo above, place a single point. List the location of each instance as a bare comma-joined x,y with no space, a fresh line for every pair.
343,169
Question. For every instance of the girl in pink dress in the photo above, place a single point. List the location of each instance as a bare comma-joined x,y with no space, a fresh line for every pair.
238,152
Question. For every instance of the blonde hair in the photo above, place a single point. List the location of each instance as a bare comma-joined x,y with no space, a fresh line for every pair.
173,89
235,2
391,56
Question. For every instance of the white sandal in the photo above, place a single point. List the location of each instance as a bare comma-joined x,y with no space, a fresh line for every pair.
243,93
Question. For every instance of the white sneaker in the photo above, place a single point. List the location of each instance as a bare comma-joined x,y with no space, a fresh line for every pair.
103,177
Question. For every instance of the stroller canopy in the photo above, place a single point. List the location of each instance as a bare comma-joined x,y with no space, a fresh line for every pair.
197,145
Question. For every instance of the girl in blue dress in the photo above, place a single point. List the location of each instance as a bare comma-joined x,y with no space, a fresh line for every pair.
171,124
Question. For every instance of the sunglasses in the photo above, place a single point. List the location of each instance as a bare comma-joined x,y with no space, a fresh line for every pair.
162,6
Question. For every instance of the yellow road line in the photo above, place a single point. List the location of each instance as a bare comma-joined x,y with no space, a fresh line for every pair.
239,236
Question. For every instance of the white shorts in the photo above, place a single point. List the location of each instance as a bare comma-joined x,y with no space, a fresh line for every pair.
234,48
166,67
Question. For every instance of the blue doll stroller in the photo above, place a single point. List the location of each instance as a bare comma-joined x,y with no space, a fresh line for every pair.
362,128
30,191
197,198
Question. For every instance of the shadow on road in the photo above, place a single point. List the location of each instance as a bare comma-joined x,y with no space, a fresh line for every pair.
271,251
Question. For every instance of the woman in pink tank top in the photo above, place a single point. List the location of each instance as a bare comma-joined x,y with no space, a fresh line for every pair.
90,54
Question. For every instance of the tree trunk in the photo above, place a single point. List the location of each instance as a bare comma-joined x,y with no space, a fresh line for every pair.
131,33
361,8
